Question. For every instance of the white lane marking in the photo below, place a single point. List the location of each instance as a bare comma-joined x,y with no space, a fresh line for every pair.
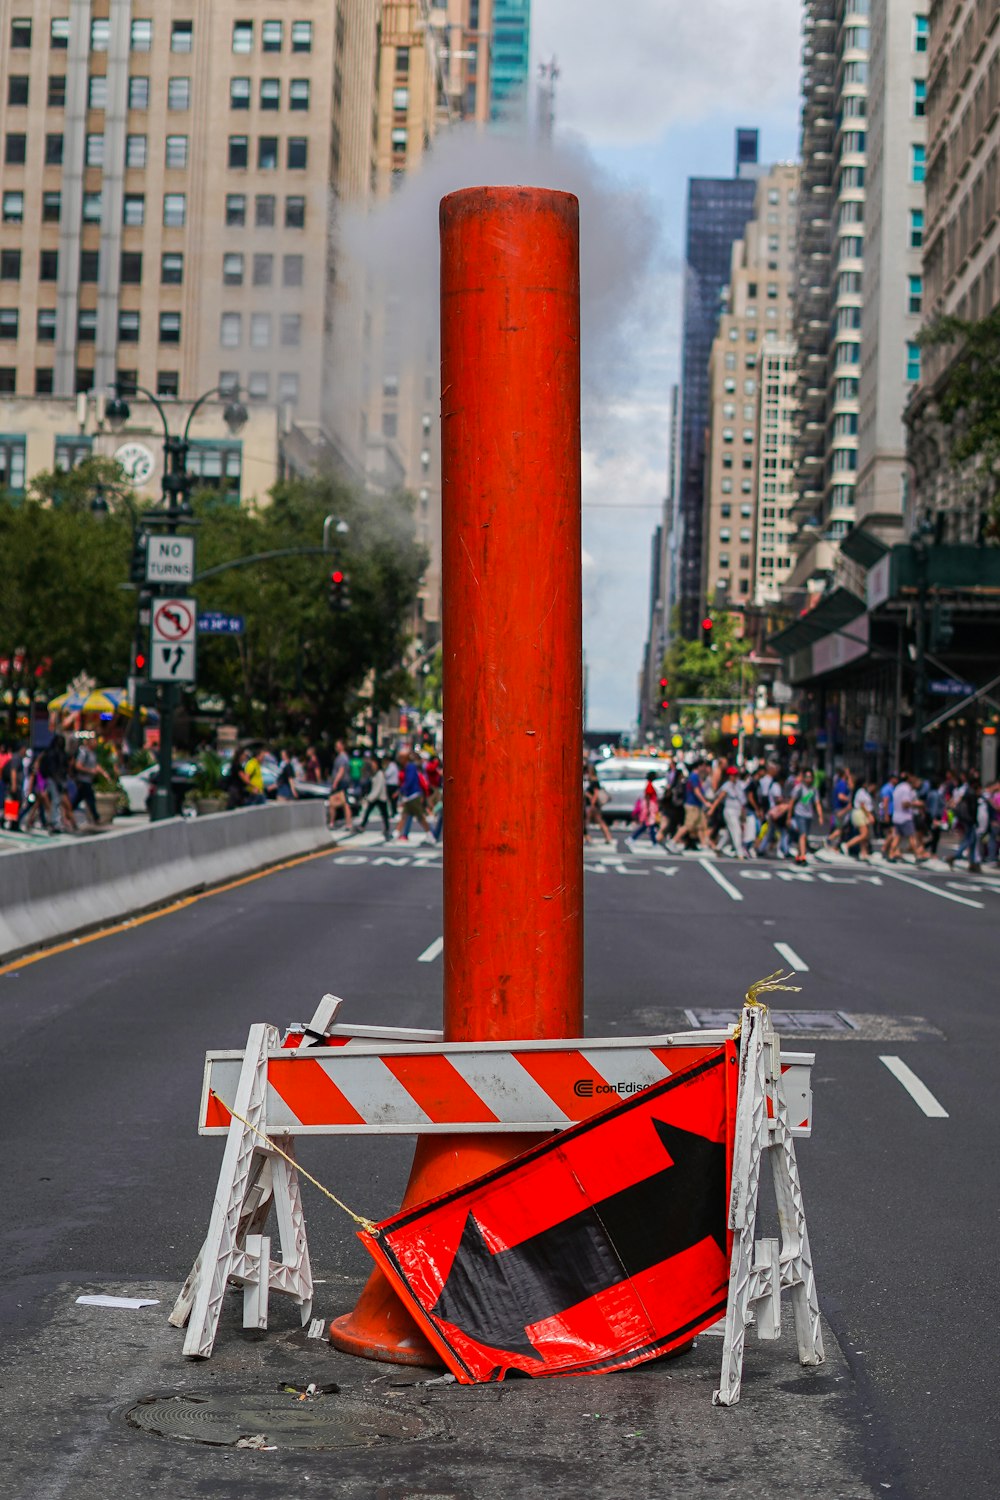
935,890
430,954
918,1091
729,889
791,957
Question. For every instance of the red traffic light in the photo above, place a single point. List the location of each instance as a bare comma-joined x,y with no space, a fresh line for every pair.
140,661
790,738
337,577
665,703
734,740
663,682
706,623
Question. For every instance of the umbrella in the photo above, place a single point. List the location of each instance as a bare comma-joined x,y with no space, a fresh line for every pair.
67,702
106,701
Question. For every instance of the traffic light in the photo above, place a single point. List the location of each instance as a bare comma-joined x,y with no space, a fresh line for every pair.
942,626
663,682
137,567
140,661
706,631
338,590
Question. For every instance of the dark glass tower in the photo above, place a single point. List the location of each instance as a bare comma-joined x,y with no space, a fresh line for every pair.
717,212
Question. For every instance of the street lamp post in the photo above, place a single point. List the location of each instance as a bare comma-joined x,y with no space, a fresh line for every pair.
174,511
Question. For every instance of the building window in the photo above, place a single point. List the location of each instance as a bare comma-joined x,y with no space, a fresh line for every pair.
258,385
919,98
263,270
270,36
260,331
12,449
86,325
174,210
171,269
402,60
401,98
727,489
57,91
918,163
176,151
178,93
142,36
8,323
90,265
168,383
243,36
126,380
298,152
239,93
913,361
45,380
13,208
91,208
295,213
10,265
400,137
20,32
15,150
128,327
135,150
288,386
298,93
231,330
138,93
45,327
270,93
100,35
239,151
170,327
94,151
921,33
17,89
915,294
131,267
59,33
291,330
134,210
217,466
292,269
267,153
724,534
229,383
232,268
916,228
264,210
182,36
302,36
236,209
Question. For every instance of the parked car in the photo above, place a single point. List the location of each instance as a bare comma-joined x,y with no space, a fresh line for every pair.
625,781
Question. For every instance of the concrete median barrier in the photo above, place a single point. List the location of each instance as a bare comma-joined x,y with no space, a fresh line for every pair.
61,889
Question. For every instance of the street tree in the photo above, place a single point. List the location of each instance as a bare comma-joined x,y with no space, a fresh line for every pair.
696,669
967,400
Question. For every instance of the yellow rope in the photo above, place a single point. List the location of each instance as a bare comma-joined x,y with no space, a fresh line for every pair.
366,1224
765,987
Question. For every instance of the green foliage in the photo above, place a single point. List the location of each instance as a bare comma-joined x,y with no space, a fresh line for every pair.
694,670
968,396
61,608
300,665
207,780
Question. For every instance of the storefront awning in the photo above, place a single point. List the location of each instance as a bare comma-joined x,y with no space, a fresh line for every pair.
832,613
863,547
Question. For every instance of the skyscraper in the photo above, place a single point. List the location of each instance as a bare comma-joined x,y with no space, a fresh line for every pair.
717,212
510,59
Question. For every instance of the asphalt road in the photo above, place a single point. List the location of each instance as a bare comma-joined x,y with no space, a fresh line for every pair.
109,1187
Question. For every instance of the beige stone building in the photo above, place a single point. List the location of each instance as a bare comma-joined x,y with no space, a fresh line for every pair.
171,182
752,397
961,237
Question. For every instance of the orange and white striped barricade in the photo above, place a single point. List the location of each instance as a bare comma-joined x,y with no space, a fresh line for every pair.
326,1079
760,1271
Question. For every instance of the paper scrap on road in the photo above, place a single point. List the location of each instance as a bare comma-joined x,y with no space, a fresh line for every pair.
103,1300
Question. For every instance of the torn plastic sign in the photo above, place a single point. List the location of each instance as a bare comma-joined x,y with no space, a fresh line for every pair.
594,1251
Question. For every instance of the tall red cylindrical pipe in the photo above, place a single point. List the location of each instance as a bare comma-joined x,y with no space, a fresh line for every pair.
510,464
513,686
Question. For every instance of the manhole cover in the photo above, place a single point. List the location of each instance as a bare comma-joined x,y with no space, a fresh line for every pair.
784,1020
282,1421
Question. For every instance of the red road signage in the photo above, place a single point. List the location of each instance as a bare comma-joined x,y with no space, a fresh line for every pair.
597,1250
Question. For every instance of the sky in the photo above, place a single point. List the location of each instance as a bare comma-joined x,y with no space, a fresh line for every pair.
649,93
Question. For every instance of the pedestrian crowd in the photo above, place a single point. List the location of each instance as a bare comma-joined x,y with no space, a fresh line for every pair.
49,787
405,788
762,811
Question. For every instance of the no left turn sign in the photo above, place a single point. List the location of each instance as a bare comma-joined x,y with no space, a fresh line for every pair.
172,640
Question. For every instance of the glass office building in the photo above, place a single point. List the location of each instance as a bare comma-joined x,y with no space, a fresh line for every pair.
510,60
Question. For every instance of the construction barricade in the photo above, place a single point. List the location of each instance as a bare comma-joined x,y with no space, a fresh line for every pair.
328,1078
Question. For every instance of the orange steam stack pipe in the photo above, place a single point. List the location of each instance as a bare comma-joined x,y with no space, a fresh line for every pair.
513,685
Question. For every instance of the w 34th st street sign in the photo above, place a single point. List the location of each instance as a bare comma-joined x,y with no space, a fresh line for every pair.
170,559
172,640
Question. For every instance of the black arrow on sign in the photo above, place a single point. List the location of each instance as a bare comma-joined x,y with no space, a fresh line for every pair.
495,1298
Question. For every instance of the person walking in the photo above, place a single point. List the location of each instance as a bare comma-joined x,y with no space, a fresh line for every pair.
252,776
285,789
391,768
312,771
733,800
862,821
805,809
645,814
695,807
411,799
85,767
378,797
594,799
966,808
338,802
